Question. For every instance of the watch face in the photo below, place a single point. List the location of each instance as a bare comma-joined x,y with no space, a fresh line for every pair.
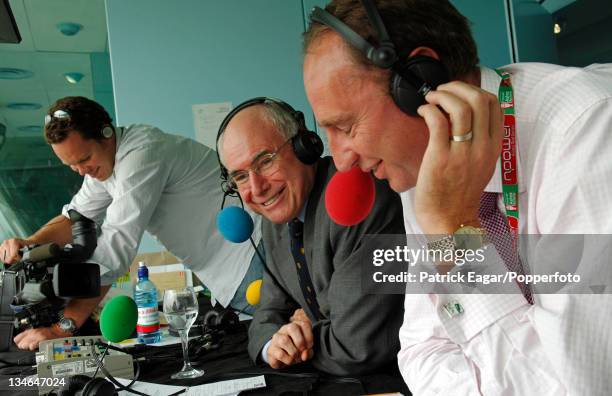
66,324
468,237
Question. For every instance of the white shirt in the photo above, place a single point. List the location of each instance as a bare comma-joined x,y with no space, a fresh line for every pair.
169,186
562,345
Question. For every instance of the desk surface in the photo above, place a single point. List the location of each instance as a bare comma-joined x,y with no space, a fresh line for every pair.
231,361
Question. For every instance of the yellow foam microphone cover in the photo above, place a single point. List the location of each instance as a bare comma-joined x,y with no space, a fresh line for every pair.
253,292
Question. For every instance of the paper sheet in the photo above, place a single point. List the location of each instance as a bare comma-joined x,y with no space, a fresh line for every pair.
222,388
207,118
226,388
149,388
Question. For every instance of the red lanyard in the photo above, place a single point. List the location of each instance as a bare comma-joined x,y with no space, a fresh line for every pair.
509,174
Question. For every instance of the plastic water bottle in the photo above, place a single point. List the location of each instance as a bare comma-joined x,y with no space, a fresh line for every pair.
145,295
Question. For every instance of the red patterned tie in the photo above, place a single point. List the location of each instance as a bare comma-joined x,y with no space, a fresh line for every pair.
498,232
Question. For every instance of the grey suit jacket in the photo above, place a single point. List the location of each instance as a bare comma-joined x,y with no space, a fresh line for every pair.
359,332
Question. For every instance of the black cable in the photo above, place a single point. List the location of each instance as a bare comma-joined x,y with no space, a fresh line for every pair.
315,376
265,266
136,375
263,260
19,363
101,361
118,384
178,392
233,193
100,364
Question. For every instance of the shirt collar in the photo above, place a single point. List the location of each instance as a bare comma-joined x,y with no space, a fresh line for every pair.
302,216
119,133
489,81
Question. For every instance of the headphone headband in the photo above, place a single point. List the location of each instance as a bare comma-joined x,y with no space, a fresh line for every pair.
64,115
383,56
307,145
410,82
253,102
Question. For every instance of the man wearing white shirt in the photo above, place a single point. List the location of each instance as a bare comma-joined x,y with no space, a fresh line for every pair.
136,179
442,150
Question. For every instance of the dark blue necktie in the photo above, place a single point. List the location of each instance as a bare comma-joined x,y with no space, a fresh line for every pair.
296,228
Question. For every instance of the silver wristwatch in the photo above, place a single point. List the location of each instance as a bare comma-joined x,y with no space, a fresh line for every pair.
466,237
67,325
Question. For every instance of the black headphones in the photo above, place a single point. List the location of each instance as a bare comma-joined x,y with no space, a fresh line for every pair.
410,81
225,320
61,114
82,385
307,145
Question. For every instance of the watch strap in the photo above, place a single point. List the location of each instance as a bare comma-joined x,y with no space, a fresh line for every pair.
443,244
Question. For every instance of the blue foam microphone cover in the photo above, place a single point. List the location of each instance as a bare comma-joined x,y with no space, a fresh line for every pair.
235,224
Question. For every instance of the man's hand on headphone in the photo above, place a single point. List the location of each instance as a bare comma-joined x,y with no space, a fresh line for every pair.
453,174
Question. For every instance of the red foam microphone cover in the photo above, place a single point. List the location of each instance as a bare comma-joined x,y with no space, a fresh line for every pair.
349,196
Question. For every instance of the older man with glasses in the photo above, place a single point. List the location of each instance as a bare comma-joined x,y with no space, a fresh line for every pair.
312,306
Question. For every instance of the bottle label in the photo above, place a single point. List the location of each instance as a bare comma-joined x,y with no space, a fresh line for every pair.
148,320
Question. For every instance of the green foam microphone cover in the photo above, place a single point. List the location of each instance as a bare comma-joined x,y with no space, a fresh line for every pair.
118,319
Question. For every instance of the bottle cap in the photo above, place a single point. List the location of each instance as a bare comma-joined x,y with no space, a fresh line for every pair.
143,271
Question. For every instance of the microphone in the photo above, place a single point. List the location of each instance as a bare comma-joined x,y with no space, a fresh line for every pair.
235,224
42,252
118,319
349,197
253,292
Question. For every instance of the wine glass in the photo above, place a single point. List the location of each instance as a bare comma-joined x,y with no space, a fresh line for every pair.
181,310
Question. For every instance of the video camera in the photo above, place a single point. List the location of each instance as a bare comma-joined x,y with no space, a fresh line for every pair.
49,273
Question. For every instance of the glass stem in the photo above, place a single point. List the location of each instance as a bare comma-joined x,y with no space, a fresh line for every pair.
185,342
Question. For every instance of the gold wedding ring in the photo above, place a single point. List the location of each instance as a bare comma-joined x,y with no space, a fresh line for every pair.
462,138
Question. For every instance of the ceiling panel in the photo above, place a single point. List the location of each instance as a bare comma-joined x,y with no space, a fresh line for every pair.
53,66
47,85
17,118
44,15
20,60
22,95
74,91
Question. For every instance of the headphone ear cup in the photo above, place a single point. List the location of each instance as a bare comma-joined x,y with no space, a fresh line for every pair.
98,387
307,146
73,384
211,319
225,320
404,93
228,321
107,131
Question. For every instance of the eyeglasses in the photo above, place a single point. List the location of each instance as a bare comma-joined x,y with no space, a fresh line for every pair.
263,165
58,114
